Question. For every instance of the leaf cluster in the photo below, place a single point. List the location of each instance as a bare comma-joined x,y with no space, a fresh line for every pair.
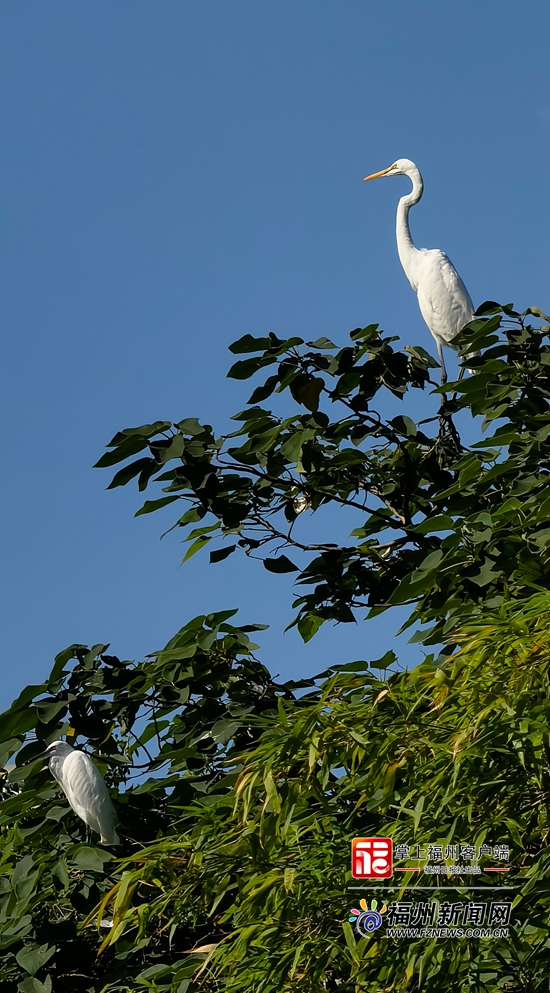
251,891
160,731
440,527
238,795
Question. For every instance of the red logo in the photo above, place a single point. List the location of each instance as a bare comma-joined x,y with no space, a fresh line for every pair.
371,858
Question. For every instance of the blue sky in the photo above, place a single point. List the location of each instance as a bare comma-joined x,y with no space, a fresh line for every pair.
175,175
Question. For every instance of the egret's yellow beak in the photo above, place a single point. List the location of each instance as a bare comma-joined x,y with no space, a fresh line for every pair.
375,175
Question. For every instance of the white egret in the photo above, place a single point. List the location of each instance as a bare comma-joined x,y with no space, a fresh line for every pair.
444,301
83,785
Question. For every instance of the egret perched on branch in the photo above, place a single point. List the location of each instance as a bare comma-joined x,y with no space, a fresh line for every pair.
83,785
444,301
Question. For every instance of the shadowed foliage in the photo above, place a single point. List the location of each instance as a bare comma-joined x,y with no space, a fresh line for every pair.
438,525
238,796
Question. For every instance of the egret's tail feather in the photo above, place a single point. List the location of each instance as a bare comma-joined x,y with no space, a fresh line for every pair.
110,838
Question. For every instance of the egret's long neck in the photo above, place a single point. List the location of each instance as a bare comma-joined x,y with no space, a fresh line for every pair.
408,254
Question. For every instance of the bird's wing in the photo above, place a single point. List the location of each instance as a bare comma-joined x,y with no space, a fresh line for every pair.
443,298
453,282
86,791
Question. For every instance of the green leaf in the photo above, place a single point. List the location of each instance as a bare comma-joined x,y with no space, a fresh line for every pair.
17,722
288,879
359,666
155,971
61,660
262,392
324,343
249,344
224,731
420,353
292,447
350,941
219,554
486,574
21,873
206,529
88,857
194,548
245,369
150,505
190,426
33,985
405,425
130,446
192,516
539,313
124,475
309,393
59,870
418,811
441,522
280,564
174,450
390,658
430,563
410,588
56,813
33,957
488,307
144,430
471,470
7,749
308,625
28,694
367,333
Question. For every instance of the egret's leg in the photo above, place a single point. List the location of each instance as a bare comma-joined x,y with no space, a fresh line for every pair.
441,362
460,375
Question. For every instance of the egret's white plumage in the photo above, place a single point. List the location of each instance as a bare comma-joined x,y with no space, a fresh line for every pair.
83,785
444,301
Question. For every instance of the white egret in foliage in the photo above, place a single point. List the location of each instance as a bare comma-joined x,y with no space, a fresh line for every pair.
83,785
444,301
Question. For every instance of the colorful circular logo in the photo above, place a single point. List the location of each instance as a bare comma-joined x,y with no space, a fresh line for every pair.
367,920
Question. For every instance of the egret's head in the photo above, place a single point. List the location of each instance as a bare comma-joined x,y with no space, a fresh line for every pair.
58,748
401,167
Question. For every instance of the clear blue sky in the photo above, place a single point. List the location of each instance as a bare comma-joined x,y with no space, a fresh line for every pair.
177,174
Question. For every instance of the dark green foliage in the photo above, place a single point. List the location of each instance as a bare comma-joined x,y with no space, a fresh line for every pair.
456,752
234,870
160,731
439,526
238,796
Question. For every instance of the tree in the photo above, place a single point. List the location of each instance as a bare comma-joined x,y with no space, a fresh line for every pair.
238,824
448,753
440,526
